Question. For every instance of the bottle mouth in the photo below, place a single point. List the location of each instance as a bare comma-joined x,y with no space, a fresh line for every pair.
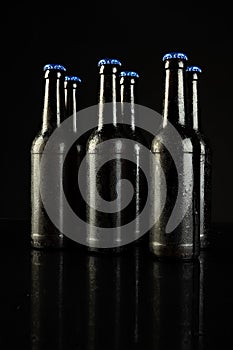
109,61
175,55
51,66
73,78
129,74
193,69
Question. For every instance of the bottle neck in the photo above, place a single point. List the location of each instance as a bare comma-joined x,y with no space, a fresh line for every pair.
127,92
193,100
71,102
107,113
174,110
54,101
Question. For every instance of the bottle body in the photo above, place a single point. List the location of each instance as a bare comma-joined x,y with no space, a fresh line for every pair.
183,241
205,194
205,191
107,182
44,233
176,232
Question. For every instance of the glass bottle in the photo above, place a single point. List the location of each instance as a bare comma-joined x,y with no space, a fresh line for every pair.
129,111
76,153
44,234
176,233
194,112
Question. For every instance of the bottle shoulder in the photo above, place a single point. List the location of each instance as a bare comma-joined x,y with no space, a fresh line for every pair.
186,139
139,137
119,136
41,140
204,142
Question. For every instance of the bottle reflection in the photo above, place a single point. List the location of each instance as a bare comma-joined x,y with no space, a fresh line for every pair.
82,300
202,300
85,301
114,306
104,298
131,301
47,299
175,304
58,300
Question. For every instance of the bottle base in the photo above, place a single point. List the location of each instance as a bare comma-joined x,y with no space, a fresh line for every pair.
47,242
142,242
107,251
171,252
204,242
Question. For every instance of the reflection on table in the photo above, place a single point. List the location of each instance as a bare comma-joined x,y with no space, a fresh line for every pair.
90,301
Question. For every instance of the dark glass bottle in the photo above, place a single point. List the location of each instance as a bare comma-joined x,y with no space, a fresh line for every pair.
129,99
44,234
193,97
76,153
182,240
107,181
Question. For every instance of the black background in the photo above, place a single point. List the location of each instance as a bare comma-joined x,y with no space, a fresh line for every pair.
46,297
77,36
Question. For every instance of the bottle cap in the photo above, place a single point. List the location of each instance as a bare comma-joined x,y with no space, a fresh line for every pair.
72,78
129,74
176,55
54,67
193,69
112,61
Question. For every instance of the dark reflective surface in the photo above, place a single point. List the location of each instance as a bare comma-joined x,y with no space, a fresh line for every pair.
73,299
175,304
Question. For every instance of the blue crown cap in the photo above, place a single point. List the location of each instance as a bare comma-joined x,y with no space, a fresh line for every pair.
54,66
109,61
129,74
172,55
193,69
72,78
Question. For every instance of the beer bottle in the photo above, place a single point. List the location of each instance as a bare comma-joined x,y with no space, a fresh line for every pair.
44,234
107,128
193,97
129,98
76,153
176,233
108,166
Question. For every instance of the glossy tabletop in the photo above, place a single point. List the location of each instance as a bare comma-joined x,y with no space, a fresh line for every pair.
73,299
